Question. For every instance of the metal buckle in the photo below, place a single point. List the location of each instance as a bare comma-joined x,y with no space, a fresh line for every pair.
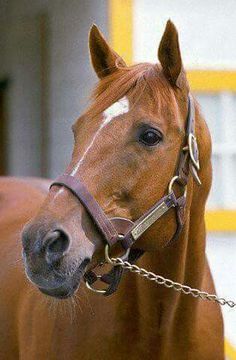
192,145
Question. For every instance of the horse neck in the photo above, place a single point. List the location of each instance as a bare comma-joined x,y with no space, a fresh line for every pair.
184,262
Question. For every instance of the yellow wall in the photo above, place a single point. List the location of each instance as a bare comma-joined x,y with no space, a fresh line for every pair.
221,220
212,80
121,28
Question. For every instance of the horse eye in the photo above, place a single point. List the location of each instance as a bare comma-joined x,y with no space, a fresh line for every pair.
150,137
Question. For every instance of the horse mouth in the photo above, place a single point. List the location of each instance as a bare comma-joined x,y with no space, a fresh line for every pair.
59,293
62,292
69,287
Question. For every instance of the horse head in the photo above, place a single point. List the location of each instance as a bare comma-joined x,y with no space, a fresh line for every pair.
126,150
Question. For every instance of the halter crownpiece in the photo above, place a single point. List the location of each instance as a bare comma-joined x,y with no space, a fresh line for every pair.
126,232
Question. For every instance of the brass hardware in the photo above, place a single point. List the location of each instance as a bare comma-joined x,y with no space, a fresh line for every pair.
172,181
98,291
194,173
154,215
107,256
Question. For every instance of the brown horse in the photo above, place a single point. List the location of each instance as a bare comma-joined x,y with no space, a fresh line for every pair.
126,151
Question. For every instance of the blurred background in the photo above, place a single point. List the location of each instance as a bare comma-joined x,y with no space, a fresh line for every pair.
46,79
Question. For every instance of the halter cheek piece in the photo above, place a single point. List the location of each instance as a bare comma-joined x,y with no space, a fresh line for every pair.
124,230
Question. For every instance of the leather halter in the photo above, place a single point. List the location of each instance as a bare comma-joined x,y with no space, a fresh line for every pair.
124,230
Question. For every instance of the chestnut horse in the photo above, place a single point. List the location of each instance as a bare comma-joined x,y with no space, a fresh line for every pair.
126,150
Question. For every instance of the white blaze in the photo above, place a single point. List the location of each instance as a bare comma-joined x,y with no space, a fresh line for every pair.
119,108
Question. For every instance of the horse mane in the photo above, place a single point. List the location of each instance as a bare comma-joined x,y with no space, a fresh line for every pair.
132,80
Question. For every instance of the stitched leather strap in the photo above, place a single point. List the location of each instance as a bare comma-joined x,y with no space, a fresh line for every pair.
111,228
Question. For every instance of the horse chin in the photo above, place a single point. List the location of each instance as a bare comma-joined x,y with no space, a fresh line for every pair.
63,292
59,293
67,286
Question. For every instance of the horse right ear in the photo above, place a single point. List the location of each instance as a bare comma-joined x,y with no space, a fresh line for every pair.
104,59
170,57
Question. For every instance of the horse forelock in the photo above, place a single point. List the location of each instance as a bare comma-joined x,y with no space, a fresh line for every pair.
133,81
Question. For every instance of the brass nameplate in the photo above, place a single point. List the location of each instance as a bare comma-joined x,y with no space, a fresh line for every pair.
149,220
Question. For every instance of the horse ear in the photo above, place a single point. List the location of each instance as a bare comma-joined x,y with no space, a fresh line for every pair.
170,57
105,61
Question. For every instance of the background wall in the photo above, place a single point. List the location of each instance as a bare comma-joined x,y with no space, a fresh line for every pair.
44,54
206,29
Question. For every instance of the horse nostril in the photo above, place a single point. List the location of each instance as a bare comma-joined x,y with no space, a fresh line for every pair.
57,244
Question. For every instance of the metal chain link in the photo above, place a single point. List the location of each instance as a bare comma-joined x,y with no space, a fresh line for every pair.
170,284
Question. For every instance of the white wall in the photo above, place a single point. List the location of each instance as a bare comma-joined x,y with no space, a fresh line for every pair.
220,250
206,28
22,66
71,75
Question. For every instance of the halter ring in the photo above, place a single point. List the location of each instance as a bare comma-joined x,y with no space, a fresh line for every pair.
172,181
98,291
109,260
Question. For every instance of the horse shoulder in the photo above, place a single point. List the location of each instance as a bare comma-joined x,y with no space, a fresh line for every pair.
19,200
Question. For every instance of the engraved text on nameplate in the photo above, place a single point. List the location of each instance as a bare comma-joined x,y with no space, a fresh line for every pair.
149,220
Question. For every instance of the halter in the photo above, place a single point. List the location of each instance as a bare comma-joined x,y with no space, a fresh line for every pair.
126,232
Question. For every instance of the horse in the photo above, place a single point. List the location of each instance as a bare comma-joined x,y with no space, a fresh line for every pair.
128,145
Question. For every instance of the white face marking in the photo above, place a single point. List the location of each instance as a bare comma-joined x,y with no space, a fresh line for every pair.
119,108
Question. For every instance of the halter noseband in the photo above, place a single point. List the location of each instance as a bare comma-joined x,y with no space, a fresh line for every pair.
125,231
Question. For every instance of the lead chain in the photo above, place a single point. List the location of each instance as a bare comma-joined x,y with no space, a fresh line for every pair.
170,284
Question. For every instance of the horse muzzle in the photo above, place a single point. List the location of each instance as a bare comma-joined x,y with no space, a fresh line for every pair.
50,264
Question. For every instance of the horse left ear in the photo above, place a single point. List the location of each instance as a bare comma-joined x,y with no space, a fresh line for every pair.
104,59
170,57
